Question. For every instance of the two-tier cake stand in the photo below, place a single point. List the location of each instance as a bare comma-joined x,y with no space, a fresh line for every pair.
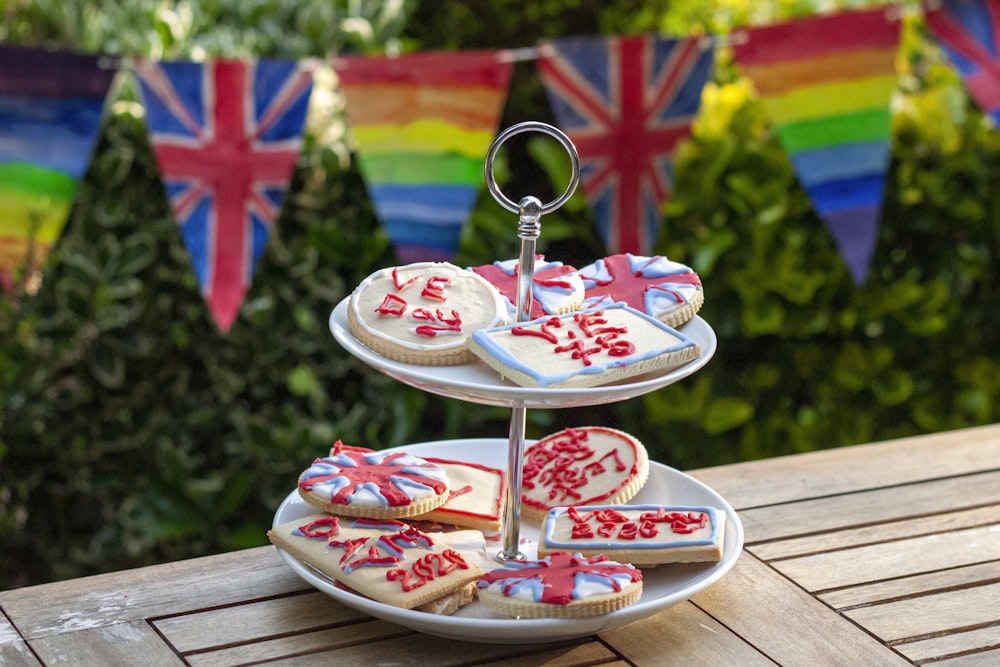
477,383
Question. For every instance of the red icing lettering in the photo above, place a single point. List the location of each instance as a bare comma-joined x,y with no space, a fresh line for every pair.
400,286
545,331
629,531
324,528
392,305
580,351
435,288
443,323
427,568
581,531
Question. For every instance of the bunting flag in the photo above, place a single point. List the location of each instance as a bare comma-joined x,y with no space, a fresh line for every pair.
422,125
827,82
969,33
226,135
51,105
626,102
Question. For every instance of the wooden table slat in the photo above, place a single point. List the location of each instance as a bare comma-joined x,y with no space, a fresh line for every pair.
922,616
255,621
873,534
902,558
857,468
931,498
134,644
893,589
952,644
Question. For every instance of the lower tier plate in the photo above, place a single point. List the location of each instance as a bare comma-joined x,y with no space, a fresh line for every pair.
663,586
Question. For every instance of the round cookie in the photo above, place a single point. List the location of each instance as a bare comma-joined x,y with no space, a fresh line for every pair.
423,313
353,481
669,291
591,465
561,585
556,288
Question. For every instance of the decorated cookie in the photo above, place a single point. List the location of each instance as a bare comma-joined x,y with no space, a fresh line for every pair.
583,349
423,313
354,481
556,288
582,466
638,534
386,560
476,496
561,585
669,291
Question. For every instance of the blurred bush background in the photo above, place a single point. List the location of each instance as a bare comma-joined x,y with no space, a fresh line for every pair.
132,432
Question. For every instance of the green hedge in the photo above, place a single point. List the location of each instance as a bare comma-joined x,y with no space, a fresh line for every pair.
133,432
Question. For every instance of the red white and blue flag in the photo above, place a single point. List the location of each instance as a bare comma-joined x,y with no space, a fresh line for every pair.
226,135
969,32
626,102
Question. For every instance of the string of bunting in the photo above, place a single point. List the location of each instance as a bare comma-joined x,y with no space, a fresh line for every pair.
226,132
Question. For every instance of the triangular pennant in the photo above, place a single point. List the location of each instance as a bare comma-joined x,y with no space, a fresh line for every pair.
969,33
51,105
422,124
626,102
226,135
827,82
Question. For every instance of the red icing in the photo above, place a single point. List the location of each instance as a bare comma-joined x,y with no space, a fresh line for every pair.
400,286
609,520
324,528
558,572
427,568
564,463
499,499
392,305
597,339
632,287
380,474
435,288
507,283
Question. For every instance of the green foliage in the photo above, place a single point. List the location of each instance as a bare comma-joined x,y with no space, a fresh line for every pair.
132,432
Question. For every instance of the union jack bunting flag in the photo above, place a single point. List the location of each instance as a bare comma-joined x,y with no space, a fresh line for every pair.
969,33
226,135
625,102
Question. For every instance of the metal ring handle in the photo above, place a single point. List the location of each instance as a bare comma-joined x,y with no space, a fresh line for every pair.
545,128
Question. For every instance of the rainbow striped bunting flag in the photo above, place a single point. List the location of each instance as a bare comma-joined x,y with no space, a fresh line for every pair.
626,102
422,125
827,82
51,105
969,33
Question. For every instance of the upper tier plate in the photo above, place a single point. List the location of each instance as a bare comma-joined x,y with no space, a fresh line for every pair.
478,383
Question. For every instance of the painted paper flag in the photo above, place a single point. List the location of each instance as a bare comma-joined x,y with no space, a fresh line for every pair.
51,105
422,124
626,102
969,33
226,135
827,82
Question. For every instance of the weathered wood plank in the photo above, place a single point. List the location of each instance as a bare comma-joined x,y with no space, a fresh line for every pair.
591,654
785,623
859,467
420,650
134,644
953,644
109,599
882,532
685,636
923,584
984,659
297,645
927,615
878,562
856,510
17,654
255,620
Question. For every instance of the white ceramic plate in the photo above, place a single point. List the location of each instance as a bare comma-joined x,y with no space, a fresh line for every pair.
663,586
478,383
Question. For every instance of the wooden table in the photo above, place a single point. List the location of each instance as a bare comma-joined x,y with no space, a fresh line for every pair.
879,554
